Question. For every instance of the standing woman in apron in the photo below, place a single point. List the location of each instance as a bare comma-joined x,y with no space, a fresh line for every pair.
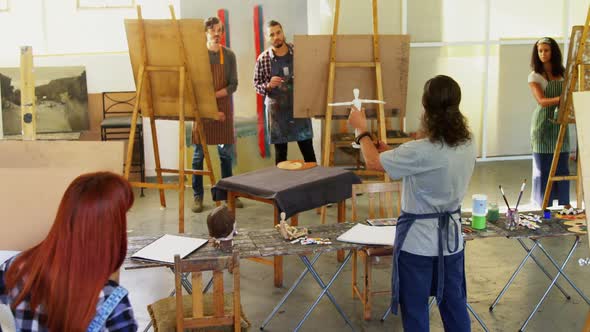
217,132
546,81
435,172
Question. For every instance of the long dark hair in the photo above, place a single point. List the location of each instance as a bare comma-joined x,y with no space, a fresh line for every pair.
442,120
66,272
557,68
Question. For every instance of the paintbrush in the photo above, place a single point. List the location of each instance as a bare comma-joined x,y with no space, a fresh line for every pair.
520,194
504,196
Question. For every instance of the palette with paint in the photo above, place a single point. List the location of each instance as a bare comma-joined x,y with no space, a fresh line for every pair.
295,165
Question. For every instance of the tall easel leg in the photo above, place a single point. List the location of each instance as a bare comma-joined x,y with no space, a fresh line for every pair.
181,148
192,101
128,158
579,190
157,160
550,180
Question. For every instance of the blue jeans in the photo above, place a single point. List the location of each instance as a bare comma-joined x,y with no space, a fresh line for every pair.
418,281
541,167
225,158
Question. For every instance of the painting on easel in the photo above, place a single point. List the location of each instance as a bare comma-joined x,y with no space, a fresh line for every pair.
61,99
574,45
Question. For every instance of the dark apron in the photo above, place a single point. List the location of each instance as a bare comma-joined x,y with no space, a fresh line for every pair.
218,132
404,223
282,127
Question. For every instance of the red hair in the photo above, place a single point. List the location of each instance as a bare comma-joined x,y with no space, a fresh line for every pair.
66,272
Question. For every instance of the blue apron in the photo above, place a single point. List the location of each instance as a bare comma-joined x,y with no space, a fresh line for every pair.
404,223
283,127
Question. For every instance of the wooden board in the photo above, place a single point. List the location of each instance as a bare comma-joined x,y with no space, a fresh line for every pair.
163,49
312,59
575,38
34,179
582,105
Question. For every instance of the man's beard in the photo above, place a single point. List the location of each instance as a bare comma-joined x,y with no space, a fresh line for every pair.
279,44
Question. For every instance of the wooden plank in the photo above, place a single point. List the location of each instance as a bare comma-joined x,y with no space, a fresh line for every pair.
27,96
132,130
313,57
162,49
178,290
35,174
218,294
262,261
582,104
355,64
208,322
155,185
197,297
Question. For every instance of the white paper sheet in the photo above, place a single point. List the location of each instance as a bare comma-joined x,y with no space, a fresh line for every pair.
372,235
164,248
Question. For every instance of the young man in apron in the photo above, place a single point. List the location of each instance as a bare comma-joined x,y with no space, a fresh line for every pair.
436,169
273,79
217,132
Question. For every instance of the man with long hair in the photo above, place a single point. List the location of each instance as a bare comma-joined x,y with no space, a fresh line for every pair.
63,283
435,170
273,79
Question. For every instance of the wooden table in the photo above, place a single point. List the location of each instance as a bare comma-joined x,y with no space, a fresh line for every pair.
266,243
290,192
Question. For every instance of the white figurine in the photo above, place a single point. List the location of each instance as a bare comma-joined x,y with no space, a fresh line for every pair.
356,102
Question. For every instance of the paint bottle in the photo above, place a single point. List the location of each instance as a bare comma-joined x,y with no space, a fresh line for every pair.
547,214
478,215
493,212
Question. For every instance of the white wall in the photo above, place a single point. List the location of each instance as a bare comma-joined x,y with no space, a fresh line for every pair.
62,35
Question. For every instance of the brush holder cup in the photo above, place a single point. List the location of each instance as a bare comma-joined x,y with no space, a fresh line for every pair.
512,218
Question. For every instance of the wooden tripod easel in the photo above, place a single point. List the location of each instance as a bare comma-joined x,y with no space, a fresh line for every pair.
328,146
566,117
184,81
376,64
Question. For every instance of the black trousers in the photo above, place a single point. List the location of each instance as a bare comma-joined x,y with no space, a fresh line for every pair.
306,148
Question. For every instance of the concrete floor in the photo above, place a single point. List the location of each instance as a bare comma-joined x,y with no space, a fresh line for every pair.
489,264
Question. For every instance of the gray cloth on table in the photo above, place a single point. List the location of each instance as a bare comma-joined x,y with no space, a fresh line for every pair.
292,191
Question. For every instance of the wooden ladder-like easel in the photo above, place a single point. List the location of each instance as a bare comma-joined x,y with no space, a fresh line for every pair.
184,81
334,64
566,117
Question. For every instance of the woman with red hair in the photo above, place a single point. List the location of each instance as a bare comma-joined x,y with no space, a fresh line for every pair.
62,284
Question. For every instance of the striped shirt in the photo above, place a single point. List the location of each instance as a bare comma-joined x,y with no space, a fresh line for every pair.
263,68
28,320
544,131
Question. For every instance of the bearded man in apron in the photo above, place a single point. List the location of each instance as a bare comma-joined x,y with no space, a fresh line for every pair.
217,132
435,172
273,79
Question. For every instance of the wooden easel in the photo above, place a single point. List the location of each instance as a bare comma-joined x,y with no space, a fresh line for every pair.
329,146
376,64
184,81
565,118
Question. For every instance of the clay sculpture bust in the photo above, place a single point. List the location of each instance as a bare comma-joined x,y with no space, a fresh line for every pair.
221,225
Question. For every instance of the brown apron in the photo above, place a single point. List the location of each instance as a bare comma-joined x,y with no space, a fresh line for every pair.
218,132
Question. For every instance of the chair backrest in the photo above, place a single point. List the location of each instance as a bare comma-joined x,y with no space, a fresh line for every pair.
118,103
197,266
380,199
